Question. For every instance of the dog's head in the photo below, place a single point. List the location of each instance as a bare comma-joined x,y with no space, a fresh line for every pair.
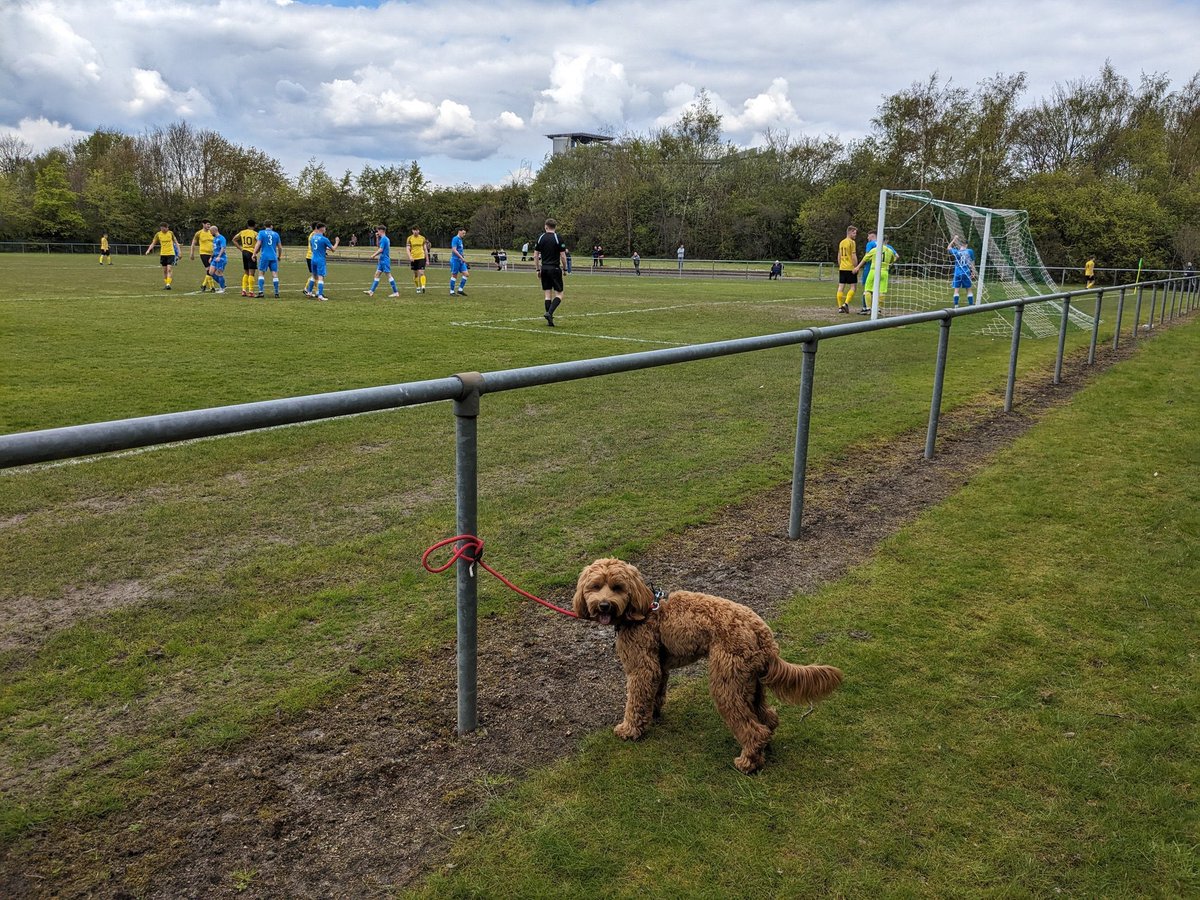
612,591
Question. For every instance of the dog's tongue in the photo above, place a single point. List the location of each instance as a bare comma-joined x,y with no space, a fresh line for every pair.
604,618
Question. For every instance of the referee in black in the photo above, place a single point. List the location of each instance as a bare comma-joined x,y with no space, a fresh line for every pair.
549,260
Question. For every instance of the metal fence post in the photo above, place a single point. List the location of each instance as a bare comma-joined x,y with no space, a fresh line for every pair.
803,417
1174,297
1095,329
466,416
1162,312
1153,304
1062,340
1137,313
1120,310
1012,359
939,374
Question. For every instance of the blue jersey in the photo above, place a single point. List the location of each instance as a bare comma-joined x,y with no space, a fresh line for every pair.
319,244
458,258
269,248
385,249
964,260
218,250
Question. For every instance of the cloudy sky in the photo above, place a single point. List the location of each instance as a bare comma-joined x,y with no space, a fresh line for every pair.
470,89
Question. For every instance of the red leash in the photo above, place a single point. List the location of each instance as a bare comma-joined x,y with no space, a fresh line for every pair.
472,551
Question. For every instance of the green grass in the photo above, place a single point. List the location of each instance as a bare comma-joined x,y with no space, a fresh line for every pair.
1021,721
235,580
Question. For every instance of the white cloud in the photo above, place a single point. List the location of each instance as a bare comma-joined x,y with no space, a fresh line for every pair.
42,134
41,44
587,88
772,108
510,120
149,93
453,121
368,103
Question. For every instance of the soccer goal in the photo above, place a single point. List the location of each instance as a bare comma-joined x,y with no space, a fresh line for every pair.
1007,265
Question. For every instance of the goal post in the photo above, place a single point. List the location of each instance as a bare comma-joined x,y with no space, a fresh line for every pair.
921,229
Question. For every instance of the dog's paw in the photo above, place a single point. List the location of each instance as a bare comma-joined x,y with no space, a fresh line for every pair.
748,765
627,732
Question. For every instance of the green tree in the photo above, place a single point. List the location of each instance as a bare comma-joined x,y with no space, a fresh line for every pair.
55,206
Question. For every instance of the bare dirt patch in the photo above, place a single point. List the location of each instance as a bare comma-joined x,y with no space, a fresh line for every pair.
362,797
29,620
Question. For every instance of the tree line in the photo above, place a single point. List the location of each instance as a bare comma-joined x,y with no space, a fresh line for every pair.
1104,167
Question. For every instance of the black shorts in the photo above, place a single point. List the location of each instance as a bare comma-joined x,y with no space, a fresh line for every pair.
417,265
308,262
847,276
167,260
248,261
552,279
104,253
206,259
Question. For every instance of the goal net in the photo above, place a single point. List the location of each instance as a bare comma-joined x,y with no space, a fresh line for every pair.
1007,265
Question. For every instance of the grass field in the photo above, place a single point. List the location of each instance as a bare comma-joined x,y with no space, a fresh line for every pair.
161,602
1020,719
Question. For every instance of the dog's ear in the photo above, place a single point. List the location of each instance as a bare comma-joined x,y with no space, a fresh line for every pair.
641,598
578,604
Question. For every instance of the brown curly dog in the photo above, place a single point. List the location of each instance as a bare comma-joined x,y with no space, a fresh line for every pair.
743,657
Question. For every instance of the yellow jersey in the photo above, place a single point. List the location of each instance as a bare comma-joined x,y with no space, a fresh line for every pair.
205,239
246,239
308,242
166,242
104,243
416,245
846,252
1089,268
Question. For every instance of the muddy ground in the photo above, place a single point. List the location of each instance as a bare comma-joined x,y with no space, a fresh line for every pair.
362,797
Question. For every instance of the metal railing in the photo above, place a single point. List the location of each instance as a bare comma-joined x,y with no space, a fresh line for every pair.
1168,298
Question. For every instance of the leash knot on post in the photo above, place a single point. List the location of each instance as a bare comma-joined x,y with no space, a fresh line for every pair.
470,548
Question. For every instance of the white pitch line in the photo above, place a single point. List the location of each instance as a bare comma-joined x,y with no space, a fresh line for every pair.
485,323
557,330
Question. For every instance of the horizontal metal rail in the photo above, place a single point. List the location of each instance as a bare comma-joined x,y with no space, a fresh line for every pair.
24,448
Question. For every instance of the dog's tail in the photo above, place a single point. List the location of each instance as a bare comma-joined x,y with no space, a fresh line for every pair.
801,684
